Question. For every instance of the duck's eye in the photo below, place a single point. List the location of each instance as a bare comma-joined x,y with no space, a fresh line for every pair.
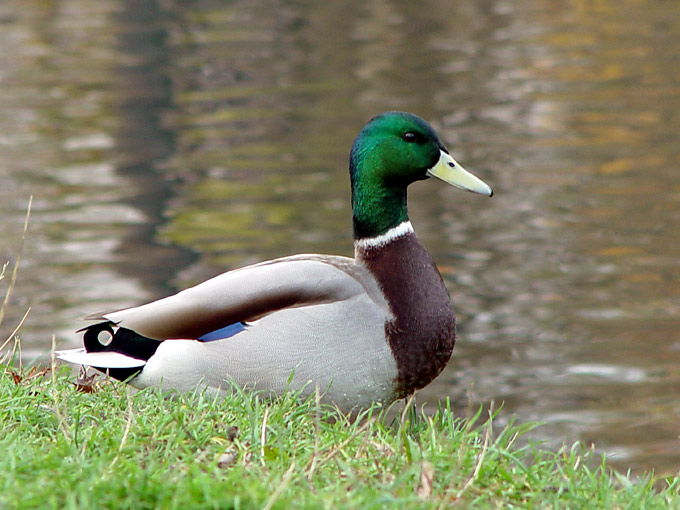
410,137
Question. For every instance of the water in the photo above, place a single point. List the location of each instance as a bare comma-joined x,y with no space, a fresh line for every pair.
164,142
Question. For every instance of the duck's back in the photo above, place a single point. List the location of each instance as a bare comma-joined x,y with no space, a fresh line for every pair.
338,344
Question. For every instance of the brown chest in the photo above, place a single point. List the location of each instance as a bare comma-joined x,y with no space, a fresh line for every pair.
422,332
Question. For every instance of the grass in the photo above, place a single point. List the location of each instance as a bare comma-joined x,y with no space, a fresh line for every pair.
71,443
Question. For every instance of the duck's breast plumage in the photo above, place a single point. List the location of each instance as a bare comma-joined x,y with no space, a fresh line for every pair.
422,330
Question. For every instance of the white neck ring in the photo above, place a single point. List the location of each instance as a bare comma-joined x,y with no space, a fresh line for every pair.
368,243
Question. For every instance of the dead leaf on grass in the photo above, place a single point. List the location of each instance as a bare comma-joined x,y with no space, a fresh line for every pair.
18,376
86,383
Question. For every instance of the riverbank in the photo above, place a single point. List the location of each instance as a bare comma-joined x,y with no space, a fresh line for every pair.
72,443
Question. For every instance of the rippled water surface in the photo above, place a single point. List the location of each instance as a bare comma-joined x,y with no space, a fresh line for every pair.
164,142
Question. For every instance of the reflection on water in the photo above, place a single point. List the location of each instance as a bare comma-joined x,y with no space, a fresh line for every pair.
164,143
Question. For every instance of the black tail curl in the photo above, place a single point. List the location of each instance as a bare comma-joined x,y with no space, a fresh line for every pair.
106,337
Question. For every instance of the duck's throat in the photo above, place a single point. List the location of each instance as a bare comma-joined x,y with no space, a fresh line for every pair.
376,212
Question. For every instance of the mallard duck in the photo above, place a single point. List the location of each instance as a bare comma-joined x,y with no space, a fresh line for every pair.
373,328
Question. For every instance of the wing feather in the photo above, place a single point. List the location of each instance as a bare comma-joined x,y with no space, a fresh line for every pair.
246,294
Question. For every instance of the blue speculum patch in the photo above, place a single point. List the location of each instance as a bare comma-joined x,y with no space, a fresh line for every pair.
222,333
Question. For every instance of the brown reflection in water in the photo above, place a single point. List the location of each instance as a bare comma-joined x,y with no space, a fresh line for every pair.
143,97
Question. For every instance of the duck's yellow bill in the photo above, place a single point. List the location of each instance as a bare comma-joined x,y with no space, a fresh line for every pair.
448,170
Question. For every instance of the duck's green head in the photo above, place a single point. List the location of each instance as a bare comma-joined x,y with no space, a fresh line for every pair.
393,150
